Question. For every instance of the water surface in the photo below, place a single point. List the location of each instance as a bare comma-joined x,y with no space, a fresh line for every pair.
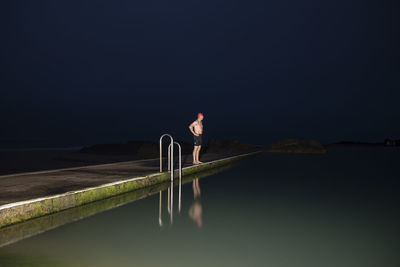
339,209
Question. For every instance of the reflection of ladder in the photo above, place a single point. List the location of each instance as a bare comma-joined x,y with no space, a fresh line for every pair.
170,164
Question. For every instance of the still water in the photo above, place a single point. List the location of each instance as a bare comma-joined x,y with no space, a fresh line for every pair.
339,209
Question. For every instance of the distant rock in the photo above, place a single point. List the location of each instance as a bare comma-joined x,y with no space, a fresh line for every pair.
228,146
391,142
297,146
148,149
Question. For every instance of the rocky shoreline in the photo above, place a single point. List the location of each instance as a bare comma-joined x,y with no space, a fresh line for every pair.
148,149
28,161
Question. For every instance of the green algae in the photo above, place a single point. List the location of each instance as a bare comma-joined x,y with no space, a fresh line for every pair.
28,228
21,213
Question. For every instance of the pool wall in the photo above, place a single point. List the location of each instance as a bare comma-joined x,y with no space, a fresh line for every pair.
16,232
24,210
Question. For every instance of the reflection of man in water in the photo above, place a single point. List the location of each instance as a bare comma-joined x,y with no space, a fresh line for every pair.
196,210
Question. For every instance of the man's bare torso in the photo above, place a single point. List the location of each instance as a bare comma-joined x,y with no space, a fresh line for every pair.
197,127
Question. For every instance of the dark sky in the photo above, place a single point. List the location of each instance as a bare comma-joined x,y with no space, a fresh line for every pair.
78,72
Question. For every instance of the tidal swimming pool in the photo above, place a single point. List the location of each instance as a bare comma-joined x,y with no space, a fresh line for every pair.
339,209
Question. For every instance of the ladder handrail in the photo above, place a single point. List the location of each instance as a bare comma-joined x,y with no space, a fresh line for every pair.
171,169
180,171
172,154
180,155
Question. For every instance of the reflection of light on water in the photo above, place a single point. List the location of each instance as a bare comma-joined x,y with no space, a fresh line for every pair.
195,210
159,210
170,203
290,213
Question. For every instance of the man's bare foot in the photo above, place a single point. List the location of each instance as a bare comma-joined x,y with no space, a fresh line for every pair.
196,163
199,162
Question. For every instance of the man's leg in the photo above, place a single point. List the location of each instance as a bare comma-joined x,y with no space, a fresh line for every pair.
194,154
196,150
198,154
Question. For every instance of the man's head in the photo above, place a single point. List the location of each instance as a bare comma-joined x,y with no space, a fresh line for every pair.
200,116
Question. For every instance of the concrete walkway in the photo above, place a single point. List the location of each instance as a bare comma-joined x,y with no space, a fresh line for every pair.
26,229
24,186
31,195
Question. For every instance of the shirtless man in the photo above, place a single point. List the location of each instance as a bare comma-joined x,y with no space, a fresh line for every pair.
197,130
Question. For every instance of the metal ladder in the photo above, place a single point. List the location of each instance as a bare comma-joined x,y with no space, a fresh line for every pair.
171,169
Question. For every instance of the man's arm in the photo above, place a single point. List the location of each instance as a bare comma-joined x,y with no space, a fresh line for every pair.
191,128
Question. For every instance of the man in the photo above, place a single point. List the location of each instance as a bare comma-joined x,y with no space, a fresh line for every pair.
196,128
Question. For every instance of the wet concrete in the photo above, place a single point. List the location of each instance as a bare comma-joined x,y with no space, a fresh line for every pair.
25,186
32,195
19,231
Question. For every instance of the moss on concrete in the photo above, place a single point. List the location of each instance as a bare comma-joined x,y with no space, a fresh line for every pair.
26,211
28,228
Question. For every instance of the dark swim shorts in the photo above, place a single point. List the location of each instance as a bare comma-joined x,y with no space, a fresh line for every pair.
198,140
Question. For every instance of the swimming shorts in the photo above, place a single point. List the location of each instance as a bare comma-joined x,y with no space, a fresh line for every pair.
198,140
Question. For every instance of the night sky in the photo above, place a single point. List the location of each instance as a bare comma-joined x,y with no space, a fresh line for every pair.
81,72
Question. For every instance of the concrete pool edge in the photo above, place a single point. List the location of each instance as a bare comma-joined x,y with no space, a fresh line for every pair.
17,212
26,229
